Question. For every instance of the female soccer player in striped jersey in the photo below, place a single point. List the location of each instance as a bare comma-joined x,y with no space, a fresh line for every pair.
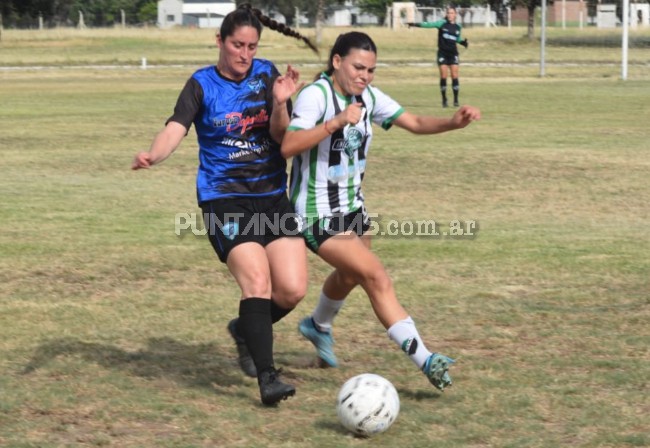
329,137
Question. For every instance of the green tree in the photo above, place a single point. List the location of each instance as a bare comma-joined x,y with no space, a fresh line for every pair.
530,6
148,13
375,7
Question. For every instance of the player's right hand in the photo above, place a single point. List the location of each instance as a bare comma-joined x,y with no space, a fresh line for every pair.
352,114
464,43
410,24
142,160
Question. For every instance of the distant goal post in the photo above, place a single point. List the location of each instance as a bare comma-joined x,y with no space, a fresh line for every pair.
401,13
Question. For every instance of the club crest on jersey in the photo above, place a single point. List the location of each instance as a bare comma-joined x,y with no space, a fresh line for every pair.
255,85
351,144
230,230
353,141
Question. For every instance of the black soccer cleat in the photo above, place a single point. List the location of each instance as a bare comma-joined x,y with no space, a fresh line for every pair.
272,389
244,357
456,104
444,104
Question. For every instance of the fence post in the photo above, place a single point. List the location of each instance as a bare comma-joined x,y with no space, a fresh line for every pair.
82,24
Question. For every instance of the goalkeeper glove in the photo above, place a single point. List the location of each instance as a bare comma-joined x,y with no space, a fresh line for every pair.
464,43
410,24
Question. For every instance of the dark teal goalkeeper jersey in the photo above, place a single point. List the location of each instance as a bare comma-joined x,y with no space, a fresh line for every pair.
448,34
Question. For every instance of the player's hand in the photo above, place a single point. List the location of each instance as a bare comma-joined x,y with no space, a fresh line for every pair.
464,43
410,24
142,160
286,85
352,114
465,115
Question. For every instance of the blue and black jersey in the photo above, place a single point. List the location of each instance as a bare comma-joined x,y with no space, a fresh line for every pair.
237,156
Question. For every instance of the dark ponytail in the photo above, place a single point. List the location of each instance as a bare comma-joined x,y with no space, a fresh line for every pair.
246,15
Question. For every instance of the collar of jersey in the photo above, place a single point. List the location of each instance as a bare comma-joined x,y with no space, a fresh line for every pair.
347,99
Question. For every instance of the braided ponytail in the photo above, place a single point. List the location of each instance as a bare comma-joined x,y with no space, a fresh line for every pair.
245,14
282,28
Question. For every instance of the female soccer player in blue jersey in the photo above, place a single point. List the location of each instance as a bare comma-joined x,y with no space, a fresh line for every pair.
448,36
329,138
240,109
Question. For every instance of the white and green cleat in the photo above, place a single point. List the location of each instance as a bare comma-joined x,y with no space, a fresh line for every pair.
436,369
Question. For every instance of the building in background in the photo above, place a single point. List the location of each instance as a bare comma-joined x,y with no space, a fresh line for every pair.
349,14
193,13
573,11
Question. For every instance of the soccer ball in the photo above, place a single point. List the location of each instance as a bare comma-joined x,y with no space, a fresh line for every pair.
367,404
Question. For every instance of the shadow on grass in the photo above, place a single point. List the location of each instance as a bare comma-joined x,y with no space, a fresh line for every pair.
419,395
334,426
195,365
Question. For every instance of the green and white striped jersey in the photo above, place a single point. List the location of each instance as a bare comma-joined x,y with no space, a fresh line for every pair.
326,179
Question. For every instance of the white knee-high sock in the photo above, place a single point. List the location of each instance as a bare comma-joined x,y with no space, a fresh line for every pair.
408,339
325,312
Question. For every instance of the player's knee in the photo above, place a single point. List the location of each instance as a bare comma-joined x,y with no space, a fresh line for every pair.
348,281
288,296
378,282
257,286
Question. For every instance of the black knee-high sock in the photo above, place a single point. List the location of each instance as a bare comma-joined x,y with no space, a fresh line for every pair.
455,86
443,88
257,329
278,313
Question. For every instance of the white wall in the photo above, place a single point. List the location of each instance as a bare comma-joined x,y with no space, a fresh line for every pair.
203,15
167,8
642,9
606,16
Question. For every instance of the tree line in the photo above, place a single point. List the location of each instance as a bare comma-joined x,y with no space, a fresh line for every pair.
101,13
96,13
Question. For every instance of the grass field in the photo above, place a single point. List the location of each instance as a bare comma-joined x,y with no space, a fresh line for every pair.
112,328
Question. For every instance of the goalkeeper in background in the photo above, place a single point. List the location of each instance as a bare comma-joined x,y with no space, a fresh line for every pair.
448,36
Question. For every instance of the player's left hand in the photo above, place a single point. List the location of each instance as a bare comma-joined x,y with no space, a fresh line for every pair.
286,85
464,43
465,115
